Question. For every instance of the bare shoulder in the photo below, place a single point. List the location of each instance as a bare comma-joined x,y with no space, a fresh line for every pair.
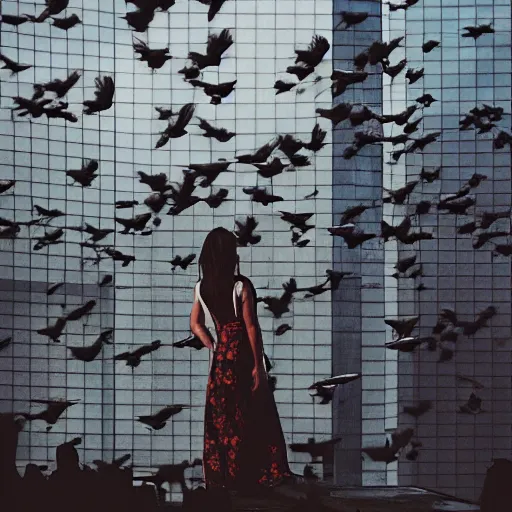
246,286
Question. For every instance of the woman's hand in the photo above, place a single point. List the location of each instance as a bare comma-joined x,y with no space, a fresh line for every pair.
260,378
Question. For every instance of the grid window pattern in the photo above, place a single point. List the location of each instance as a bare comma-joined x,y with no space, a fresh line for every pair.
148,301
460,74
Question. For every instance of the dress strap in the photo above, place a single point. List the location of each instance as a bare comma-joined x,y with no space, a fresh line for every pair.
237,293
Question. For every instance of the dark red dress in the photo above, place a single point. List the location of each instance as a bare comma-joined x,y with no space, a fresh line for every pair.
244,446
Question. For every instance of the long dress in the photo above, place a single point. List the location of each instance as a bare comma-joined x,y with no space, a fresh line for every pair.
244,446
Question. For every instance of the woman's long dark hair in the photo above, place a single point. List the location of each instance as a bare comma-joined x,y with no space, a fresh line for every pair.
218,264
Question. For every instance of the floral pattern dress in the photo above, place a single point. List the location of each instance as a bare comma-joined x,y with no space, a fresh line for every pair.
244,446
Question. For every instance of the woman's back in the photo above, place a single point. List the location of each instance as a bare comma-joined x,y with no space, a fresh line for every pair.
219,301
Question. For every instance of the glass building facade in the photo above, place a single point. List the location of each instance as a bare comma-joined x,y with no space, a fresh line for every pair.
147,301
342,332
461,73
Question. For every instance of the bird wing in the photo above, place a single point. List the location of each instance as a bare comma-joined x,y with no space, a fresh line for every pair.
218,43
266,150
146,349
185,115
205,125
318,135
198,83
124,355
141,47
188,259
106,89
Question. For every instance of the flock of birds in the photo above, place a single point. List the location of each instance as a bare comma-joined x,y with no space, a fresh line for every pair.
281,154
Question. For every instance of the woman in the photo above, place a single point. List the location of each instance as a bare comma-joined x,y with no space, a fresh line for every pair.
244,446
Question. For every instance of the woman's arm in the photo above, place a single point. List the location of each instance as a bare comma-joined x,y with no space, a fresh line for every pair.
197,324
252,326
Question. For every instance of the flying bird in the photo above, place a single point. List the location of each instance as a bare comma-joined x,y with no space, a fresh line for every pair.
342,79
158,420
107,279
352,212
6,185
387,453
475,383
408,343
221,134
140,19
245,232
82,311
125,204
404,5
155,58
49,238
53,288
289,145
54,332
216,92
5,343
58,86
190,72
352,236
33,107
97,234
119,256
181,194
133,359
395,70
426,100
262,154
104,96
137,223
430,45
89,353
325,388
209,172
338,113
488,218
275,167
457,207
191,341
280,86
411,127
414,74
419,409
54,410
176,129
183,263
352,18
260,195
316,51
214,7
404,327
282,329
315,449
215,199
476,31
157,182
280,305
216,46
165,113
13,20
53,7
67,23
472,406
430,176
300,70
297,220
400,195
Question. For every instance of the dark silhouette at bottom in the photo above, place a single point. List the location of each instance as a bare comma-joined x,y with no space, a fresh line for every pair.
78,487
